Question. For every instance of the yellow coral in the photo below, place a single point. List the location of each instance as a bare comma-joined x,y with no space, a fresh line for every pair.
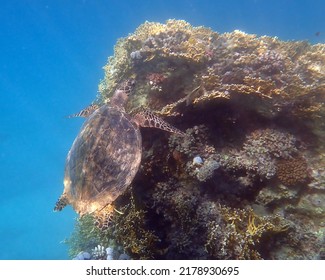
256,226
293,71
147,29
130,231
244,230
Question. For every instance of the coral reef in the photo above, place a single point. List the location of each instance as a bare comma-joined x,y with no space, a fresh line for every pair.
292,171
84,238
317,166
260,152
247,181
100,253
126,233
242,233
82,256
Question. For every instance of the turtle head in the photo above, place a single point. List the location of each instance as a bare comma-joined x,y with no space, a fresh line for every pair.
123,91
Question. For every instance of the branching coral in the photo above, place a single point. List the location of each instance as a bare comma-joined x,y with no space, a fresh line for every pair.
85,237
126,229
177,203
194,145
270,141
259,152
240,232
131,232
268,70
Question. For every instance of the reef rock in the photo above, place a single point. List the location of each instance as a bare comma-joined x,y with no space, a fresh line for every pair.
249,174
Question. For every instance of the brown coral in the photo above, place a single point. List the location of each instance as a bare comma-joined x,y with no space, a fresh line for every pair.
292,171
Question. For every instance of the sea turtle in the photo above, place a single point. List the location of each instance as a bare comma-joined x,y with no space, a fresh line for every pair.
106,154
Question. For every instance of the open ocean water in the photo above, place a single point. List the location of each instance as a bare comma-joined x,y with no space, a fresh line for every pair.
51,59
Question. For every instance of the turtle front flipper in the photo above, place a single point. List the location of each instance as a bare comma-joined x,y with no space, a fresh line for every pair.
146,118
61,203
85,113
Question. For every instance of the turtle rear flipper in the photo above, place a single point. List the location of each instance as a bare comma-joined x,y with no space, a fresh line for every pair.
146,118
85,113
61,203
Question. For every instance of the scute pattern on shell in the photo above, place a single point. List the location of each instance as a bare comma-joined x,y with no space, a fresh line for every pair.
103,160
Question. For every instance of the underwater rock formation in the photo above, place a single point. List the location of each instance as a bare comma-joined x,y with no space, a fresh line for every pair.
248,180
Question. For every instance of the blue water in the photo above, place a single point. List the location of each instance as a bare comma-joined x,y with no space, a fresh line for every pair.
51,58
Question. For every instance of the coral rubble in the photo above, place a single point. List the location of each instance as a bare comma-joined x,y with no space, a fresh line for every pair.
248,179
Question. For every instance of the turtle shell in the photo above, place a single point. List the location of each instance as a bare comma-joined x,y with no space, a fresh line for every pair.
103,160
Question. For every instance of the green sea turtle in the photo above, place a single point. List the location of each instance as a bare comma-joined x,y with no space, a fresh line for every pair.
106,154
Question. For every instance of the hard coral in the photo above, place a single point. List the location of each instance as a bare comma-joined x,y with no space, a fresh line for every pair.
207,170
259,152
292,171
130,230
272,72
176,205
273,142
240,233
85,236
